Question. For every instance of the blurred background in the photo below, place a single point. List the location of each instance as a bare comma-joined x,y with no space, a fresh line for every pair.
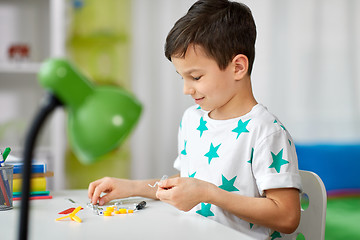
306,72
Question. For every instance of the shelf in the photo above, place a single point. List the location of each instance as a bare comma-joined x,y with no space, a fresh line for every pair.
41,25
20,67
25,23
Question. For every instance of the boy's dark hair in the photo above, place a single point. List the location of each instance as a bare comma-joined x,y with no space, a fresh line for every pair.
223,28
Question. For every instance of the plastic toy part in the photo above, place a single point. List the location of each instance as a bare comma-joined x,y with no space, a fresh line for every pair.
122,211
72,215
162,179
110,209
68,211
107,213
115,209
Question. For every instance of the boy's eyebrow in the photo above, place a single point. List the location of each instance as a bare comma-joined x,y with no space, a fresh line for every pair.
189,71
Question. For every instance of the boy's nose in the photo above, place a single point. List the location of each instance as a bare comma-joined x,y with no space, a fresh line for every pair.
188,89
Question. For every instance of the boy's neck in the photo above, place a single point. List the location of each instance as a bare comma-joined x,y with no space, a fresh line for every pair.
239,105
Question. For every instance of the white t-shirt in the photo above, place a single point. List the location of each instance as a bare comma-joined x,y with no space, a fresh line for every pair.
244,155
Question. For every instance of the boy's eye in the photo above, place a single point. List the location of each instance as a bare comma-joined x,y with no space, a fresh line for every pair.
197,78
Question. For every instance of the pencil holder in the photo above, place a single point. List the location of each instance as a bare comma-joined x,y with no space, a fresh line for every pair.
6,188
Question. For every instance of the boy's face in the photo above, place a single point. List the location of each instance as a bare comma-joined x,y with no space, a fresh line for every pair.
212,88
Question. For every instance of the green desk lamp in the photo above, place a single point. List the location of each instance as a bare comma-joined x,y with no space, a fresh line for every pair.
99,119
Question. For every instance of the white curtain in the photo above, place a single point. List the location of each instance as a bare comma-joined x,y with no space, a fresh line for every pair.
306,72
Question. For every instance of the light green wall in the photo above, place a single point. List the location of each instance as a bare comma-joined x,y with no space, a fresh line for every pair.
99,44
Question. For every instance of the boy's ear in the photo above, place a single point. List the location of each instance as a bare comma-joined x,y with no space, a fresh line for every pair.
241,64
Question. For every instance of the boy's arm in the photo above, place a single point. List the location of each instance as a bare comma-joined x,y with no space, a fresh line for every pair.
141,188
116,188
279,210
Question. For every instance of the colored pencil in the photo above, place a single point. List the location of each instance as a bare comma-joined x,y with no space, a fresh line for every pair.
34,198
3,190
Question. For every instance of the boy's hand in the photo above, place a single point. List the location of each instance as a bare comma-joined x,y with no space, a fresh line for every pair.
114,187
183,193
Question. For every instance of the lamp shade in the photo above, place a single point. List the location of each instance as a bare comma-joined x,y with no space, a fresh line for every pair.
99,117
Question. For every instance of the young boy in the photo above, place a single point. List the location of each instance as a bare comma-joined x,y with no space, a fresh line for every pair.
237,162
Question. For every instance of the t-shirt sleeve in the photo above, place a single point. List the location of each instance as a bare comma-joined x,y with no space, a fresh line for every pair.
177,162
275,163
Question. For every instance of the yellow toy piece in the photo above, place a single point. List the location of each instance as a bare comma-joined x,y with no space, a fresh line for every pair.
72,216
107,213
130,211
122,211
110,209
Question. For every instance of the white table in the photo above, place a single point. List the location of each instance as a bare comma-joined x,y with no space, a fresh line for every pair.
156,221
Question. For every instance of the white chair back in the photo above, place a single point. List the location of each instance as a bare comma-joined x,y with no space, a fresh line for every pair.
313,210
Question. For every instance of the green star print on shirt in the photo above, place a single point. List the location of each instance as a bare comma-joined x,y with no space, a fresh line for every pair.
251,156
202,127
212,153
241,128
205,210
275,235
192,175
183,152
228,185
278,161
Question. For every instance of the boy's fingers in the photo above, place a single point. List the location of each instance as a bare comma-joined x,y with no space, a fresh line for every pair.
90,192
97,192
168,183
91,189
162,194
106,198
103,200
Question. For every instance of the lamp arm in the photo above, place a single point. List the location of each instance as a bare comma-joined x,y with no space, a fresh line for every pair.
51,102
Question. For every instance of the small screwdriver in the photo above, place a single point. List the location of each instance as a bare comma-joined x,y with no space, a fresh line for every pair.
140,205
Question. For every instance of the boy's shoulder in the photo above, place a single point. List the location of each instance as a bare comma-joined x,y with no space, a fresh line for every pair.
261,114
264,122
